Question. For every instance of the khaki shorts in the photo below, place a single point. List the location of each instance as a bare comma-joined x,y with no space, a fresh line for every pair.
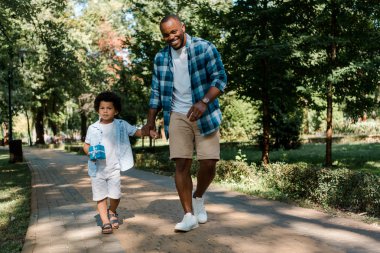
184,135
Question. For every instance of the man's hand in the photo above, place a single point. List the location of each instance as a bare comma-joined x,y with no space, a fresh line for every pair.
153,134
196,111
145,130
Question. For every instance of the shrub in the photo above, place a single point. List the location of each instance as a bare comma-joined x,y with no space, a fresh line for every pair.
239,116
338,188
233,171
369,127
294,180
158,162
348,190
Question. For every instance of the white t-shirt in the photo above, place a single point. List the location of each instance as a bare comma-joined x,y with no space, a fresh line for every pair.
109,142
182,99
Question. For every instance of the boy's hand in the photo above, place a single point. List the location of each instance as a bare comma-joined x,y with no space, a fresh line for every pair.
153,134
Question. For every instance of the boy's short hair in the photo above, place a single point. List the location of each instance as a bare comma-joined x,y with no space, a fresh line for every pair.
108,96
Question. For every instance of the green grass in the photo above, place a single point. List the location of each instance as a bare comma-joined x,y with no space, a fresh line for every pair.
355,156
15,193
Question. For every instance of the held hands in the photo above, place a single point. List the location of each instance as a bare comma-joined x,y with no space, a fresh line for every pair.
196,111
153,134
149,130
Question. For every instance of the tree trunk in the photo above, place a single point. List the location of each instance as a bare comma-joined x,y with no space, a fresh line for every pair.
331,52
266,117
40,126
53,127
83,126
29,134
329,131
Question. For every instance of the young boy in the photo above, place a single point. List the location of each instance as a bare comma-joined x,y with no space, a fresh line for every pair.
112,134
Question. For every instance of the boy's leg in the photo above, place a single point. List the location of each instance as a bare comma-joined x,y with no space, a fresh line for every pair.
114,219
102,209
114,194
114,203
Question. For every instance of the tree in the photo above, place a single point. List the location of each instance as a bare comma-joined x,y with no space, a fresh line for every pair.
343,63
262,60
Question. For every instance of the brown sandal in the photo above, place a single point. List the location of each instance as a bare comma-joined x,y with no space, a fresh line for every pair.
107,228
114,219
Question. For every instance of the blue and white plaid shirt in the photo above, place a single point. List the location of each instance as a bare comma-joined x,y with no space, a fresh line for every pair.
206,70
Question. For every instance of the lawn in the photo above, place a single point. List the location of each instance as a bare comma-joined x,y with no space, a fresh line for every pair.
15,193
356,156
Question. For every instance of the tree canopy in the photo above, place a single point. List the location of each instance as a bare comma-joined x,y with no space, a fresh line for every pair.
282,57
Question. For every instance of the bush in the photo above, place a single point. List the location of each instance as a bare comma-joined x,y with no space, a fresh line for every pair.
158,162
239,117
338,188
294,180
369,127
348,190
233,171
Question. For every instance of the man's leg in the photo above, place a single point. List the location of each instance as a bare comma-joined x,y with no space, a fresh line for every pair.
183,183
205,176
184,186
181,151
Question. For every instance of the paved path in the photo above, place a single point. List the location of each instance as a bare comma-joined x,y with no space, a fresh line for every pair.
64,219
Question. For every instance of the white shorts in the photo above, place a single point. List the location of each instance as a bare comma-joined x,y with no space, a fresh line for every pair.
106,185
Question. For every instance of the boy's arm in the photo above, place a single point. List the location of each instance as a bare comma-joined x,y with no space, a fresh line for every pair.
86,146
138,133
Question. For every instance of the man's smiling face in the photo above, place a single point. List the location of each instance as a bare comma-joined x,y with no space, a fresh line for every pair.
173,33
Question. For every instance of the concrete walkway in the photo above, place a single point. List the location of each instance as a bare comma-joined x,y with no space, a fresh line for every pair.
64,218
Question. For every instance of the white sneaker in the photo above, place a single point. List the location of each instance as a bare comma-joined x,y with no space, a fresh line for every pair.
199,210
188,223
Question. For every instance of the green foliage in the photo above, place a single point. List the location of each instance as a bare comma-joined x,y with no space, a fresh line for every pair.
233,171
263,41
369,127
287,129
156,159
348,190
297,181
238,118
340,188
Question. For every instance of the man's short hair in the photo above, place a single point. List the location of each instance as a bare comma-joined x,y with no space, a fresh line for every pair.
108,96
170,16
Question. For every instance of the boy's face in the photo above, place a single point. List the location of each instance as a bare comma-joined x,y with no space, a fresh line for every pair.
107,112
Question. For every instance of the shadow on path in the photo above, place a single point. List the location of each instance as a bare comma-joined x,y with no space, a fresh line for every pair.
64,217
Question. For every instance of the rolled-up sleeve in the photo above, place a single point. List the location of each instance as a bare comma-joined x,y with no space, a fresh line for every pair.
215,68
155,98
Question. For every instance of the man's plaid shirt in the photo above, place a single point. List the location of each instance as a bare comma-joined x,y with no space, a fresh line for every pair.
206,69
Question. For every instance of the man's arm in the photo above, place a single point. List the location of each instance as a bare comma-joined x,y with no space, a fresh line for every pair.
150,124
197,110
217,74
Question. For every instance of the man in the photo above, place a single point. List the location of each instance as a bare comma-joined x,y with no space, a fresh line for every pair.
188,77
